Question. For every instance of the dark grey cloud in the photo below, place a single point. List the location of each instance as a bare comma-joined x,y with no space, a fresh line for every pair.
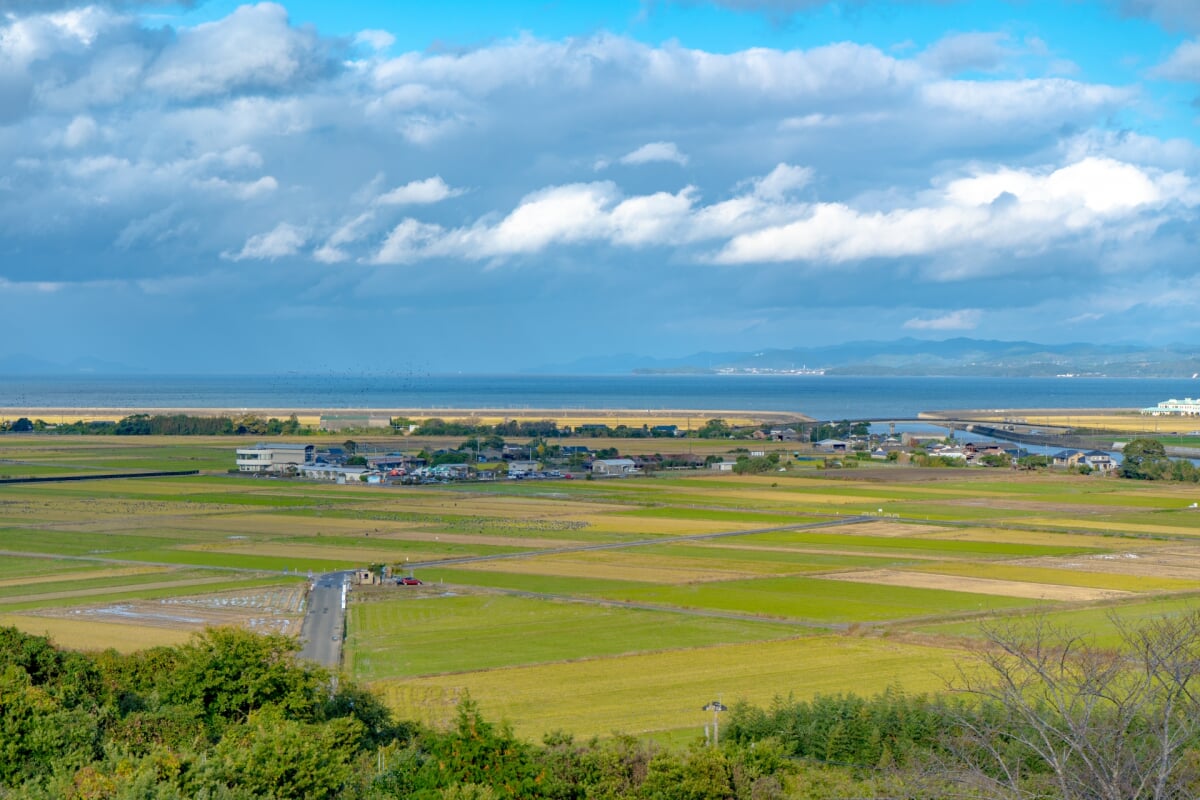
45,6
1175,15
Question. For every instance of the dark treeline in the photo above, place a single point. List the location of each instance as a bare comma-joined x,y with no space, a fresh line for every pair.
169,425
232,716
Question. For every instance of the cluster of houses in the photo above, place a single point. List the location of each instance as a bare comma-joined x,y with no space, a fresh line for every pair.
330,464
971,453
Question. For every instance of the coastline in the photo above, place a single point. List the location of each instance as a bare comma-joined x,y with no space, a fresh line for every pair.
683,417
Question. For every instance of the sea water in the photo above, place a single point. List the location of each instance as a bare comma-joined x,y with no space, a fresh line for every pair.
821,397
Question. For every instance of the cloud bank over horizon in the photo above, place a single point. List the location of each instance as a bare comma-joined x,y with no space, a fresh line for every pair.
172,180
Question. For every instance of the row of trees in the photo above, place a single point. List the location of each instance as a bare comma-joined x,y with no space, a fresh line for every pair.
168,425
1041,713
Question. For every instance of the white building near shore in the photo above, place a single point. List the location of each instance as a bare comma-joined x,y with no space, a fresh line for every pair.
273,457
1187,407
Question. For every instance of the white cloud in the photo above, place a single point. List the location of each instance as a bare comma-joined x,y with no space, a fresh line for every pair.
1008,101
282,241
407,242
79,131
992,210
781,181
375,39
962,52
999,209
655,151
1183,64
254,48
347,233
964,319
422,192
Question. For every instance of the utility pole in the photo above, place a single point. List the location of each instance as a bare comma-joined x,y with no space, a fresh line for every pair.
716,707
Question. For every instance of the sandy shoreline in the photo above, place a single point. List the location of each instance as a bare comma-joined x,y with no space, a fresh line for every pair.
628,416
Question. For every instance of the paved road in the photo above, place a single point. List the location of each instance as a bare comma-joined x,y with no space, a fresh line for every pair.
325,620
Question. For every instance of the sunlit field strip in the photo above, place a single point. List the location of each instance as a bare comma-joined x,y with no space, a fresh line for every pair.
1094,621
451,577
75,576
421,636
1117,526
73,543
1063,577
21,567
630,567
853,541
815,600
93,635
184,584
665,691
276,564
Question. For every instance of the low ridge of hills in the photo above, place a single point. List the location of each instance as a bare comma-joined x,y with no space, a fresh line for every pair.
919,357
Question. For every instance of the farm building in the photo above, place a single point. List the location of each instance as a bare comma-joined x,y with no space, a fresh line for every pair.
614,467
831,446
273,457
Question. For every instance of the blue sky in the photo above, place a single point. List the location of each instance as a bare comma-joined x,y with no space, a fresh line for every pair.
492,186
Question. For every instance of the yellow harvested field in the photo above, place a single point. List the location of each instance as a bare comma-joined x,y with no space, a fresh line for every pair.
266,524
959,583
898,529
92,635
1048,571
1116,527
524,542
101,590
1183,564
651,526
1019,536
664,691
631,568
299,552
781,497
89,574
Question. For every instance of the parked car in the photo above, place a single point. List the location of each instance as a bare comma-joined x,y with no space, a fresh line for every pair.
408,580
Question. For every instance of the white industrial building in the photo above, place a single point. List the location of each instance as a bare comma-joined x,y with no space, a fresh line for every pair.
1187,407
273,457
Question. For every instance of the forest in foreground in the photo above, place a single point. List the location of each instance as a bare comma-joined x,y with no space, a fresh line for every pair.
232,714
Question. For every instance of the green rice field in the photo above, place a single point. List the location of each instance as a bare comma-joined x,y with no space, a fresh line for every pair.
595,606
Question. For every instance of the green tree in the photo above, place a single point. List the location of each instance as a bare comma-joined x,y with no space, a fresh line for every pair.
272,756
1144,459
227,673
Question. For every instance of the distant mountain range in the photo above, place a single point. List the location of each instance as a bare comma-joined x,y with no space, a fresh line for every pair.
919,357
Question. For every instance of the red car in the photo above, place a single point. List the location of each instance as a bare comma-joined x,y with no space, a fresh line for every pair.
408,581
